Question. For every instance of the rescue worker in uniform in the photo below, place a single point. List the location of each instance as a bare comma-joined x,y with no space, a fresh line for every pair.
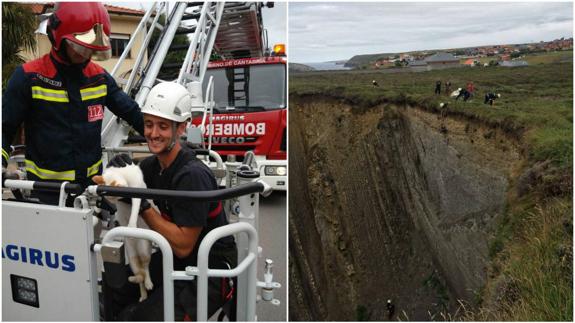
491,97
61,98
390,309
463,93
183,223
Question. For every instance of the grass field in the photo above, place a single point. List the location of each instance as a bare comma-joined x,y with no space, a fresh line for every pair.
531,253
536,101
538,58
551,57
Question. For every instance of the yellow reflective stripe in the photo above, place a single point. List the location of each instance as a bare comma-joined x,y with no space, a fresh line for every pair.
49,94
5,154
93,170
68,175
94,92
43,89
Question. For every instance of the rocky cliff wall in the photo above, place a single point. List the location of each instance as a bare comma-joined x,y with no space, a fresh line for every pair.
389,203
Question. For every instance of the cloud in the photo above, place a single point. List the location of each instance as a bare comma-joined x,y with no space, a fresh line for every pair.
275,21
347,29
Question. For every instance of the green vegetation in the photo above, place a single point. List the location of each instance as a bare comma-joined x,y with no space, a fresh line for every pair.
540,265
18,25
364,61
173,57
433,282
295,67
530,272
535,105
551,57
361,313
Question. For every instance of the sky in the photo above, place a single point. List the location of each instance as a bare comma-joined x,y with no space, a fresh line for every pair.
320,32
274,19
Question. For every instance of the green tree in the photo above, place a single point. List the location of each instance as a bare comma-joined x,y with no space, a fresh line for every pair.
176,56
401,63
18,25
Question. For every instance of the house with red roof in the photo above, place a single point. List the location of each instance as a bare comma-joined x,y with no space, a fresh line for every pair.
469,62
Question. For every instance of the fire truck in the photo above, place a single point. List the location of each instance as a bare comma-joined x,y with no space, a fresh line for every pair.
250,97
54,257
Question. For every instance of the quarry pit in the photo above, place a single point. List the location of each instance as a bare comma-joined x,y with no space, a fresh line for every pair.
391,202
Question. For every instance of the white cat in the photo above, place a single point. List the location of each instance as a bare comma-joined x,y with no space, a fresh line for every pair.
139,251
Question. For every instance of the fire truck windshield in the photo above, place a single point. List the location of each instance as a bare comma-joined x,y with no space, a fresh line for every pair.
250,88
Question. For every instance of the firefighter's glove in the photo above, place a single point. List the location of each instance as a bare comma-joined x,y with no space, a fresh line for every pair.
105,204
120,160
144,205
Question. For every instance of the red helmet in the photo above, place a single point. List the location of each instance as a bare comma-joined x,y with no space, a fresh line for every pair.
85,26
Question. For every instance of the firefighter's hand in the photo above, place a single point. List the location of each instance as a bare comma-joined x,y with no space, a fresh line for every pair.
120,160
144,204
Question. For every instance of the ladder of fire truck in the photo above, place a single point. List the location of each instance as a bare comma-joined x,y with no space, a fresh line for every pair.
233,29
241,35
200,19
241,32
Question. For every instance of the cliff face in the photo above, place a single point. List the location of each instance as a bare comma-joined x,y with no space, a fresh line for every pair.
389,203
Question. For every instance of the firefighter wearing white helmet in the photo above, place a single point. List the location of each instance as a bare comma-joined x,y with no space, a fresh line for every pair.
169,101
183,223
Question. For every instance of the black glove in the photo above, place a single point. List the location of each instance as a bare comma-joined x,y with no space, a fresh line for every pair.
144,205
105,204
120,160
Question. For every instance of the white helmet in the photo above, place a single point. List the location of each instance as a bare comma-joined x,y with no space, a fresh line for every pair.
170,101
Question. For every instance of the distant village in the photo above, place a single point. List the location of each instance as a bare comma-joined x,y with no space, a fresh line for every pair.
503,55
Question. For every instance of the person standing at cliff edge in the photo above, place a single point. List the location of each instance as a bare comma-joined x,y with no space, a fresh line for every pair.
390,310
491,97
470,89
447,87
438,87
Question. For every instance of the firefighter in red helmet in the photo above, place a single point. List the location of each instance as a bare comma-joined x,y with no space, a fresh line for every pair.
82,27
61,98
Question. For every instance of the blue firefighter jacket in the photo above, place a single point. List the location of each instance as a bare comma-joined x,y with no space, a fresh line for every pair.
62,107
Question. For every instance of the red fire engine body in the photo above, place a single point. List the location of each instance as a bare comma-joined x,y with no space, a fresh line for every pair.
250,113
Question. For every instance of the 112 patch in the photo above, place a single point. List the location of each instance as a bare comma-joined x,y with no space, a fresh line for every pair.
95,112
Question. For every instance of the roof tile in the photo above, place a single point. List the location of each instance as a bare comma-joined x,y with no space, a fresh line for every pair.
40,8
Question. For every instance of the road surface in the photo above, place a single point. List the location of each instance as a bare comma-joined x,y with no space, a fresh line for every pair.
273,240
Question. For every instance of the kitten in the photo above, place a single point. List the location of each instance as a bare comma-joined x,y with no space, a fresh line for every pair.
139,251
